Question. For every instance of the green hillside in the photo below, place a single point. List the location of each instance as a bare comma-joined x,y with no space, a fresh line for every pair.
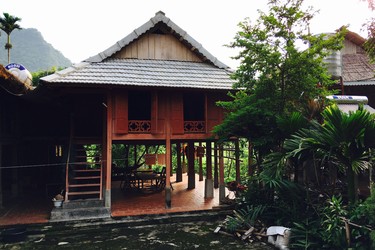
32,51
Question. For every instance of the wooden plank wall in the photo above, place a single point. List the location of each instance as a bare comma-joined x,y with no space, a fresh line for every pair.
158,46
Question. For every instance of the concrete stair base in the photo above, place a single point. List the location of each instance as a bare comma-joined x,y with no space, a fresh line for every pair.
80,210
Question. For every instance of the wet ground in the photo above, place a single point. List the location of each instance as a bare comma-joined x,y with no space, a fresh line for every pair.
184,235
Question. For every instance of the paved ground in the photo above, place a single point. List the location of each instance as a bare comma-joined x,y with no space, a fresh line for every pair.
162,233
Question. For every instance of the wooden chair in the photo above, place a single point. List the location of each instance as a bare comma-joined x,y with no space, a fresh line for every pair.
161,180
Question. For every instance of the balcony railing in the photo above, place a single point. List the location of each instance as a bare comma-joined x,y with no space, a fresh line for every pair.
139,126
144,126
194,127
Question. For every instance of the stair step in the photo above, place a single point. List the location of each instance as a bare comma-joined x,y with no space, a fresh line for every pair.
86,177
83,192
85,163
85,185
86,170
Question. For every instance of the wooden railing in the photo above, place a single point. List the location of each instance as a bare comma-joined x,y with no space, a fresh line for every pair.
144,126
139,126
194,127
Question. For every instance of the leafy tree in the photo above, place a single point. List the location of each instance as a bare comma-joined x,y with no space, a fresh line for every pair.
8,23
343,139
281,70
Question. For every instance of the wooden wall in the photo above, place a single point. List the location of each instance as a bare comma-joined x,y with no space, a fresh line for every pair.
158,46
165,106
350,48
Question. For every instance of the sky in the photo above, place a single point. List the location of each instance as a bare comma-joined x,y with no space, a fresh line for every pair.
80,29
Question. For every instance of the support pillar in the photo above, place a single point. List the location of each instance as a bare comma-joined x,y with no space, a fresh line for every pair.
168,163
250,170
108,153
179,165
237,157
221,175
200,164
1,183
191,161
209,183
216,173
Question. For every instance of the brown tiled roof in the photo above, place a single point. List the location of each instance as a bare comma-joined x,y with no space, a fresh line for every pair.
11,84
356,67
102,69
146,73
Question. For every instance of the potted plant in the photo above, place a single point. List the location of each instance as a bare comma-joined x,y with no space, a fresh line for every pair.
58,200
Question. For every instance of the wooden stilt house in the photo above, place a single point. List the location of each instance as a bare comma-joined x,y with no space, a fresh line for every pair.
156,86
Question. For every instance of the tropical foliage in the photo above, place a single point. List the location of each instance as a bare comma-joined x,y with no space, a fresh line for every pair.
277,75
309,153
8,23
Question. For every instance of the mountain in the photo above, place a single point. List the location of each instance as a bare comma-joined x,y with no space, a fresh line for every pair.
32,51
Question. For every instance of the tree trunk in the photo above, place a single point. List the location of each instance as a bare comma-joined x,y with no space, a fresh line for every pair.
352,185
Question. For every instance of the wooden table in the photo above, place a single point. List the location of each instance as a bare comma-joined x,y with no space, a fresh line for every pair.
143,177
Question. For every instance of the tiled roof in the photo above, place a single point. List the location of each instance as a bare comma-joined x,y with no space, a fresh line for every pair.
146,73
357,70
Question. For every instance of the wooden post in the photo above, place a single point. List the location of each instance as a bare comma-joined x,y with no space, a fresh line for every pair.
216,173
200,165
191,161
209,185
179,166
237,156
168,163
168,160
108,152
221,175
250,170
1,184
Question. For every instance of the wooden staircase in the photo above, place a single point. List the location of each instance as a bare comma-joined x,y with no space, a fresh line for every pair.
84,173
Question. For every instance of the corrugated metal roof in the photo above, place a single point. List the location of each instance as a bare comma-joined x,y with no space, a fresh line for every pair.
142,72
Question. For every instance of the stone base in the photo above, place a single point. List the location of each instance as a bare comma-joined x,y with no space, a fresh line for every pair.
208,188
80,210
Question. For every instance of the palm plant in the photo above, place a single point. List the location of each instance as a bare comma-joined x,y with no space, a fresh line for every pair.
343,139
8,23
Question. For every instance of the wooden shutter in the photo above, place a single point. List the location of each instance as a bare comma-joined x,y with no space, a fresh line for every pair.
154,112
177,113
213,113
121,113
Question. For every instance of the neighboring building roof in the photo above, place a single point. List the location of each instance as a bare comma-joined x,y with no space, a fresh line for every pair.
11,84
105,70
357,68
146,73
354,38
